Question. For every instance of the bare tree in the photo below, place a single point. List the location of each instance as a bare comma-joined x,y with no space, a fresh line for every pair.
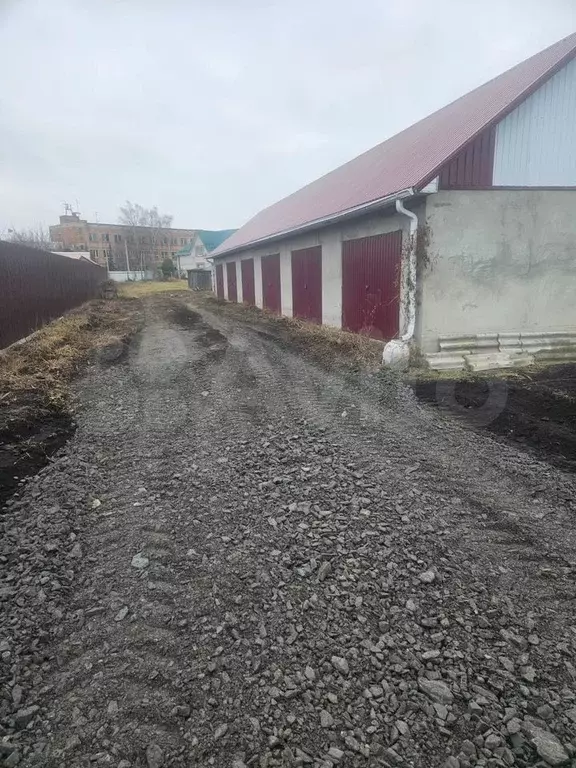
147,233
33,237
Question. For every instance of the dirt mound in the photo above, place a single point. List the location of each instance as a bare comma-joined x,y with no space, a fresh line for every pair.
535,409
35,419
31,430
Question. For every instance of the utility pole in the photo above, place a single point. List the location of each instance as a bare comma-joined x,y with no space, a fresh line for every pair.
127,260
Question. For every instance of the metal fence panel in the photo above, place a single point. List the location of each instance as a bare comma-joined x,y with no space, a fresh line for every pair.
199,280
38,286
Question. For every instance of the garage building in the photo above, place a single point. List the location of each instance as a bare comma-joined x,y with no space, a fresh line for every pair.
457,235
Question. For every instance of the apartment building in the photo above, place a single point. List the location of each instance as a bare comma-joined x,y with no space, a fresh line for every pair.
113,245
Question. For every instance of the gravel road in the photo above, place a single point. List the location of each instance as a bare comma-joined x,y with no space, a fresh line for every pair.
242,559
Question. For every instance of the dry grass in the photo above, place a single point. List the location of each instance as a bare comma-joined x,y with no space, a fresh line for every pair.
150,287
46,362
324,343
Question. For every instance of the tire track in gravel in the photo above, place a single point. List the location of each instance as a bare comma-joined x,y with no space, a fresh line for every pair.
294,388
128,646
497,499
488,474
278,536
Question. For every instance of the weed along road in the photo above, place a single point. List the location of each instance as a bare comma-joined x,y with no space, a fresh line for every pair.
245,558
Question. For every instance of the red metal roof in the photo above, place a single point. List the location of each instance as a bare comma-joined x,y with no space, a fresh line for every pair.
408,159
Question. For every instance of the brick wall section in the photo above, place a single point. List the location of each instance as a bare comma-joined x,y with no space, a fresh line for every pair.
109,239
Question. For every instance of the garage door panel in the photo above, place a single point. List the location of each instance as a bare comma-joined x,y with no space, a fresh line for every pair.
307,283
248,289
271,297
371,285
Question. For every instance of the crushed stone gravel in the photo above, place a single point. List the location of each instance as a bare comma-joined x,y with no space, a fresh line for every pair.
264,583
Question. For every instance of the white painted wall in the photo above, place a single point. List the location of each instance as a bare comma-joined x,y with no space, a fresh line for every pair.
192,262
225,280
198,247
536,143
330,239
286,280
123,277
258,291
499,261
239,282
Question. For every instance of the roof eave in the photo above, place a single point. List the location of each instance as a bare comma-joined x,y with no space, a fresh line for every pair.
325,221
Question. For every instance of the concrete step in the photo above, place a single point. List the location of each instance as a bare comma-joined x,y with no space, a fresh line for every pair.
498,360
442,361
468,344
486,351
556,354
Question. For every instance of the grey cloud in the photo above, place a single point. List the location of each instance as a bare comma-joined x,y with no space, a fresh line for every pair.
213,110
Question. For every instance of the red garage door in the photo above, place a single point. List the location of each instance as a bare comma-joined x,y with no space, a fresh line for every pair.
271,283
371,285
231,281
220,281
248,293
307,283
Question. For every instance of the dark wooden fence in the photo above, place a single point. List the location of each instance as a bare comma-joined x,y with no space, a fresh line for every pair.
37,286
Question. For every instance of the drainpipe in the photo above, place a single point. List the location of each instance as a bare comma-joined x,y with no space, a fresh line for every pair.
411,271
397,351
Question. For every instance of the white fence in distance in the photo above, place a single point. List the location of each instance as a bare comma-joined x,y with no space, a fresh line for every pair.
125,277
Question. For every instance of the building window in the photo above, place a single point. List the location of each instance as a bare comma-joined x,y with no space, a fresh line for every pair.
105,238
92,239
165,241
117,238
174,241
93,254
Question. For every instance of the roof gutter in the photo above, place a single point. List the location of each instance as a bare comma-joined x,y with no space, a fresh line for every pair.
324,221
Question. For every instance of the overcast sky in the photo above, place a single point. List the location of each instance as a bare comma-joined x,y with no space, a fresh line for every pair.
214,109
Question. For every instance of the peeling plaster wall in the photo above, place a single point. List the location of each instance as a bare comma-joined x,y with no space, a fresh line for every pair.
498,261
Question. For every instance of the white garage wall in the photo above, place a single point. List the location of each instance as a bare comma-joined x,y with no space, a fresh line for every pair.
239,282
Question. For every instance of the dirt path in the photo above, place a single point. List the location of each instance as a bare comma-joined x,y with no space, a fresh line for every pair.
242,559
